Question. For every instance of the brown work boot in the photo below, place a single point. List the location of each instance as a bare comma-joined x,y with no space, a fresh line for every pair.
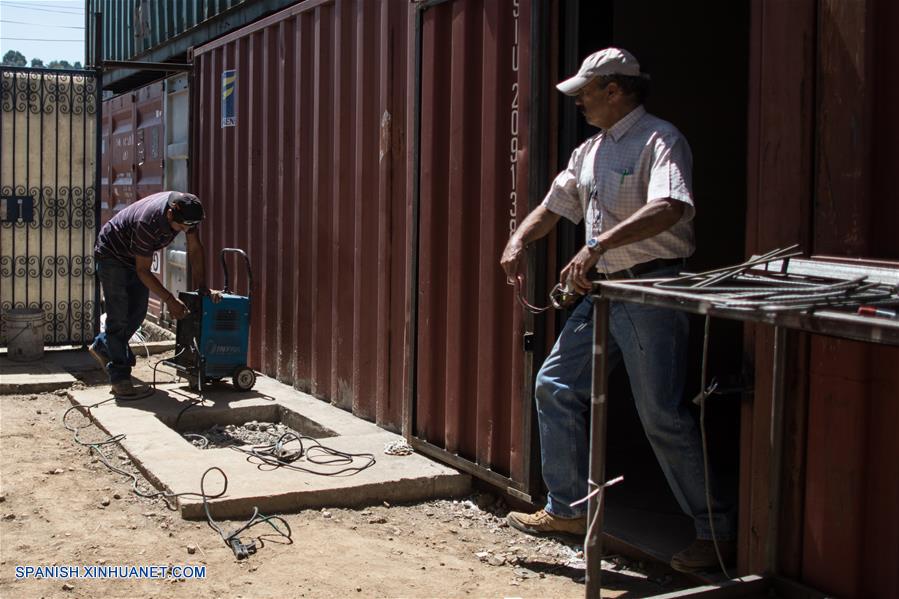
542,523
701,556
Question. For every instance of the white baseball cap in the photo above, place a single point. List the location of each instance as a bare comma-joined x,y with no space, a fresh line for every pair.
611,61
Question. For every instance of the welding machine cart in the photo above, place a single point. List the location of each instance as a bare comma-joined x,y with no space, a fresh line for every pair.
211,341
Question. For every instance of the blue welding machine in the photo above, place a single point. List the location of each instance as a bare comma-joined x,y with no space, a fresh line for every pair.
211,341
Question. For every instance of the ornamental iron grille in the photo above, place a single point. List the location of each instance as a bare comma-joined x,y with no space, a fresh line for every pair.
48,199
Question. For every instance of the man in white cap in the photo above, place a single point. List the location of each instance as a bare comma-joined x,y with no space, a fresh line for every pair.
631,182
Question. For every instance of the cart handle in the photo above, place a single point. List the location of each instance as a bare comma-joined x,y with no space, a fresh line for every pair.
225,268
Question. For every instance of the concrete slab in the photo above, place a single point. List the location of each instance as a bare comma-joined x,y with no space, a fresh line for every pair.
173,464
33,377
56,369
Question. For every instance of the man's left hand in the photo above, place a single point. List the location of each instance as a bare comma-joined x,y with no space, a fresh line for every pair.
575,273
214,294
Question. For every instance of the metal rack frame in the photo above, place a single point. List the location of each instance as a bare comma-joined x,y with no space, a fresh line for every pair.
829,321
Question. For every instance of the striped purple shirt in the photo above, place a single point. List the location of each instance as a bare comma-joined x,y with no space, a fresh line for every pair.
138,230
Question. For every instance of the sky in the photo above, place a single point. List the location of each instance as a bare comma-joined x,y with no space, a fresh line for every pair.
43,29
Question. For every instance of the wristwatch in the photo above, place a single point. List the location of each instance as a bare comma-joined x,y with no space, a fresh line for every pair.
594,246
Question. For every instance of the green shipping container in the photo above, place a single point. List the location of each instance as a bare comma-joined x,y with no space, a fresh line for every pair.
163,30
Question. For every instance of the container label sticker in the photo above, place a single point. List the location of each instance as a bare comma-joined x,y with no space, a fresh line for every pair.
229,98
154,265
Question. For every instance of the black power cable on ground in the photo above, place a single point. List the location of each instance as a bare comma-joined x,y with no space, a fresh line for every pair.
277,455
241,550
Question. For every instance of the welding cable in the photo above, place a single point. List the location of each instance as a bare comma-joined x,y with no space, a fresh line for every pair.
704,392
519,285
95,447
158,362
276,456
143,341
255,519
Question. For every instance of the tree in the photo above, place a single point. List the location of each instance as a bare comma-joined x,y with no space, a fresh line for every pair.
37,62
77,65
14,58
59,64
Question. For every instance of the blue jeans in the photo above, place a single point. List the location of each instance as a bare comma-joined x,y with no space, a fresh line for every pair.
652,344
126,307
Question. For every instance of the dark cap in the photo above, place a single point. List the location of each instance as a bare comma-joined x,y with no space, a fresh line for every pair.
186,208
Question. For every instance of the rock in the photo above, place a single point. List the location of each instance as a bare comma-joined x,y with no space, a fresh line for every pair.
38,412
482,555
191,549
9,516
56,471
32,397
377,520
68,586
326,514
496,560
386,504
2,498
116,496
105,501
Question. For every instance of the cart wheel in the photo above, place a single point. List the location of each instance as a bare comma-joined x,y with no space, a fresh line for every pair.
244,378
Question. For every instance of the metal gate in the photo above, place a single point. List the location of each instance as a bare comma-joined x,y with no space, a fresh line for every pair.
48,198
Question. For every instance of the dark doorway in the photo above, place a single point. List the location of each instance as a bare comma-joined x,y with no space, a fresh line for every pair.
697,54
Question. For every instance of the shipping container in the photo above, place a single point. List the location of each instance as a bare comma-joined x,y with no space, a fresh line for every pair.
162,30
145,151
380,288
821,154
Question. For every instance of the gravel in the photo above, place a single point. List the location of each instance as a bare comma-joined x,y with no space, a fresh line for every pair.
249,433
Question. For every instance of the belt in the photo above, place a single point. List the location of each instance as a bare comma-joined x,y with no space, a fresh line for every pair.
641,269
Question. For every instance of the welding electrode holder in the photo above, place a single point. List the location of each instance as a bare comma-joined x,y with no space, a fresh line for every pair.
563,297
241,550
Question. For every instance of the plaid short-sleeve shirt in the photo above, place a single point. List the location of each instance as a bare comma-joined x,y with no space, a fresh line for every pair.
618,171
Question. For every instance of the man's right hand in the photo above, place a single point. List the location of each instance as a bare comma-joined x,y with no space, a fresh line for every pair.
177,308
511,257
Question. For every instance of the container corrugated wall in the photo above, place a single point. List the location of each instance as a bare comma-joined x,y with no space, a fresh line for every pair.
133,148
304,156
474,171
310,181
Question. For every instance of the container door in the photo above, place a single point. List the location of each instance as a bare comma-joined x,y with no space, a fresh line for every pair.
472,397
48,199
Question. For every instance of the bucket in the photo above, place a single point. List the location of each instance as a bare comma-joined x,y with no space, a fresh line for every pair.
24,334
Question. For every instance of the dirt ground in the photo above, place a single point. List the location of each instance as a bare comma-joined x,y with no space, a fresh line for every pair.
61,506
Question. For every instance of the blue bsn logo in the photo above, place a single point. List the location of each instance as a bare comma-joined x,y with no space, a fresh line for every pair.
229,98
